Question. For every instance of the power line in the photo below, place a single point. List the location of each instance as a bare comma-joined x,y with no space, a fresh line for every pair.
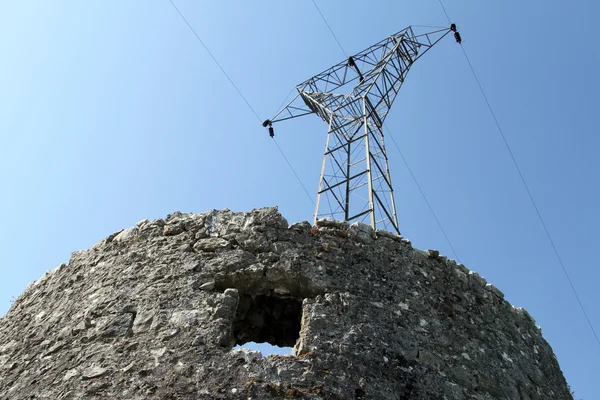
398,148
241,95
284,100
423,194
445,12
537,211
215,60
294,171
329,27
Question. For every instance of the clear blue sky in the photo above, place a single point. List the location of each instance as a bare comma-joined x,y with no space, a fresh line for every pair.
111,112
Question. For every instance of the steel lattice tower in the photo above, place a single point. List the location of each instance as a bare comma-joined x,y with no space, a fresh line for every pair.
354,98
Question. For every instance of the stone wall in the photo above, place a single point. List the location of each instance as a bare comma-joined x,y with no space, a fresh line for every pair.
153,312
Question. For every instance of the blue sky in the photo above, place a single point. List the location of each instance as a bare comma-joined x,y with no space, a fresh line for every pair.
111,112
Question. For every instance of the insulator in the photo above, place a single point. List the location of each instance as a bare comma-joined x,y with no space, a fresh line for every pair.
453,27
266,123
271,131
457,37
351,62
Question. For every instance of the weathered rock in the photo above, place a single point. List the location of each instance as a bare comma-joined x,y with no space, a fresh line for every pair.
477,279
210,285
389,235
433,254
329,222
192,266
173,229
126,234
247,355
211,244
363,232
494,290
94,372
141,316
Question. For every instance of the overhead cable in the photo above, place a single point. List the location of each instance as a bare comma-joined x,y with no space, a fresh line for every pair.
240,93
329,27
423,194
533,202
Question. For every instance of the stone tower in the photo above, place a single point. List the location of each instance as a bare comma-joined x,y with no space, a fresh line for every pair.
154,311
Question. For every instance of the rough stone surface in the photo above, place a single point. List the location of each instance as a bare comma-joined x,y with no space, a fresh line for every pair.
153,312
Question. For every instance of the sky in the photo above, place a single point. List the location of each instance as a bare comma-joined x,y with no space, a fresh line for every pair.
112,112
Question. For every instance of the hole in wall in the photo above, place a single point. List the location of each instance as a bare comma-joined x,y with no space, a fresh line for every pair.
266,349
267,319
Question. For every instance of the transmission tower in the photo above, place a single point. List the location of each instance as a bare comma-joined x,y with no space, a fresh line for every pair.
354,98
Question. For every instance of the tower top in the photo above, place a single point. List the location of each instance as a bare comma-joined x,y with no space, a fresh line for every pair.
354,97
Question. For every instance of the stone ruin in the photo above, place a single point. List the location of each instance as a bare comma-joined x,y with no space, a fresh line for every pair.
154,312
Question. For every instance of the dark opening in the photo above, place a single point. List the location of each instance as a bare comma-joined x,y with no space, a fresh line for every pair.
267,319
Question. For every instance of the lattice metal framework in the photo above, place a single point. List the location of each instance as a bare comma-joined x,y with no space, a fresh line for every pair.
354,98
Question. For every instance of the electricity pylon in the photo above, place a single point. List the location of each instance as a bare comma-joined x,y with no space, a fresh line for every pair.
354,98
